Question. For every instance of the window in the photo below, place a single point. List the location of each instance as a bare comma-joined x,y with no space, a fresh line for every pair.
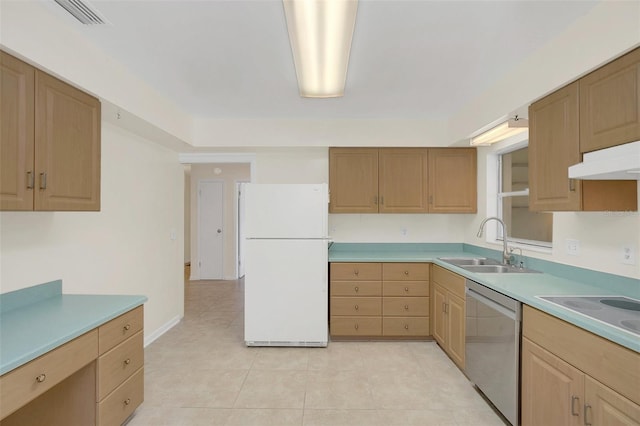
523,225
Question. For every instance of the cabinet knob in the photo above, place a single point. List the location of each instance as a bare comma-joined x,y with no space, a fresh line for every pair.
356,307
406,307
127,361
406,272
127,327
127,401
356,272
41,378
356,288
356,326
406,289
406,326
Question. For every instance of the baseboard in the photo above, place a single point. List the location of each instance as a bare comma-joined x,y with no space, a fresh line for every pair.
160,331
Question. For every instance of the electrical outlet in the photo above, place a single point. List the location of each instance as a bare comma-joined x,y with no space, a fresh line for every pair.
573,247
628,255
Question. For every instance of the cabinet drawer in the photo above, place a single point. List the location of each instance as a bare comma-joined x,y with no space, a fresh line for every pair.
405,271
116,365
356,326
405,288
359,288
119,329
123,401
356,271
405,306
452,282
405,326
25,383
356,306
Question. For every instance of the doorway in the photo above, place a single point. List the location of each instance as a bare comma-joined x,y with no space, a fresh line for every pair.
211,229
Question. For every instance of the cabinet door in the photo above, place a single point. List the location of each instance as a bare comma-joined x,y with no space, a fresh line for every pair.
438,316
552,391
607,407
67,135
553,147
403,180
610,104
353,180
455,330
452,180
17,80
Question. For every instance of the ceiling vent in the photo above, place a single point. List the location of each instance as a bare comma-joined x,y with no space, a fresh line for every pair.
82,11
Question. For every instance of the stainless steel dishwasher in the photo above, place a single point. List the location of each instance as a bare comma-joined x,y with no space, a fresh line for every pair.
492,341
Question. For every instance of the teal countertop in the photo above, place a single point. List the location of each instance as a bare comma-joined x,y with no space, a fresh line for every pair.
35,320
555,279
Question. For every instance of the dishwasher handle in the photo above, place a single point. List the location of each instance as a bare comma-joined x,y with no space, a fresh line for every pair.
503,310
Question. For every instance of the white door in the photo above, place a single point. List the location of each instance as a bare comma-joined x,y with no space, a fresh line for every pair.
210,230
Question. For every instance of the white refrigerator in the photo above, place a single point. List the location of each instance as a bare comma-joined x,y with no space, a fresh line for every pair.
286,269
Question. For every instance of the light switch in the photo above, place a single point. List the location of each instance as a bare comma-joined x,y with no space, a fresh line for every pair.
573,247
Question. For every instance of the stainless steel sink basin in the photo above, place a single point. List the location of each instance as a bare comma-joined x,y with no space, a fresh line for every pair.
498,269
485,265
460,261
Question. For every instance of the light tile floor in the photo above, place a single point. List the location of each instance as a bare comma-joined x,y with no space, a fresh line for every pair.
201,373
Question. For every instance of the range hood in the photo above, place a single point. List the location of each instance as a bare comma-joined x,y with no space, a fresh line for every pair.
620,162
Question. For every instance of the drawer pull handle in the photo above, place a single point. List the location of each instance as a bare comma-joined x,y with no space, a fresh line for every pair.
356,272
127,361
127,327
406,307
41,378
406,272
406,289
356,307
356,289
587,408
356,326
406,326
127,401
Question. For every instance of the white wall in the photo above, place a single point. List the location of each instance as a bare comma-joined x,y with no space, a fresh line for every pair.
123,249
187,214
229,174
601,234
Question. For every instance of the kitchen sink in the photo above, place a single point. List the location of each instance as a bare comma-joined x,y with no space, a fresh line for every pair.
462,261
485,265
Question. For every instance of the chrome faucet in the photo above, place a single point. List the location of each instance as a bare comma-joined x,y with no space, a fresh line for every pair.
506,257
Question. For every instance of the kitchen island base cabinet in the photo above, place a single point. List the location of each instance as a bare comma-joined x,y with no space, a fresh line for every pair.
573,377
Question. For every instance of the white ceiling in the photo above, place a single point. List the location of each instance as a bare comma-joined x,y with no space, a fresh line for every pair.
409,59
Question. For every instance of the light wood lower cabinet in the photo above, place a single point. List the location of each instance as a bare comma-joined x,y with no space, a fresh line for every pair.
573,377
379,300
448,318
97,378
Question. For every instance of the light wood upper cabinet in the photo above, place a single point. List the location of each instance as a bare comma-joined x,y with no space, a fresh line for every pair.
50,142
67,146
554,145
610,104
16,133
353,180
402,180
452,180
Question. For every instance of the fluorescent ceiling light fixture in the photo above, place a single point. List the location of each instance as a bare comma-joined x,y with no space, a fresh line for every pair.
502,131
320,33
